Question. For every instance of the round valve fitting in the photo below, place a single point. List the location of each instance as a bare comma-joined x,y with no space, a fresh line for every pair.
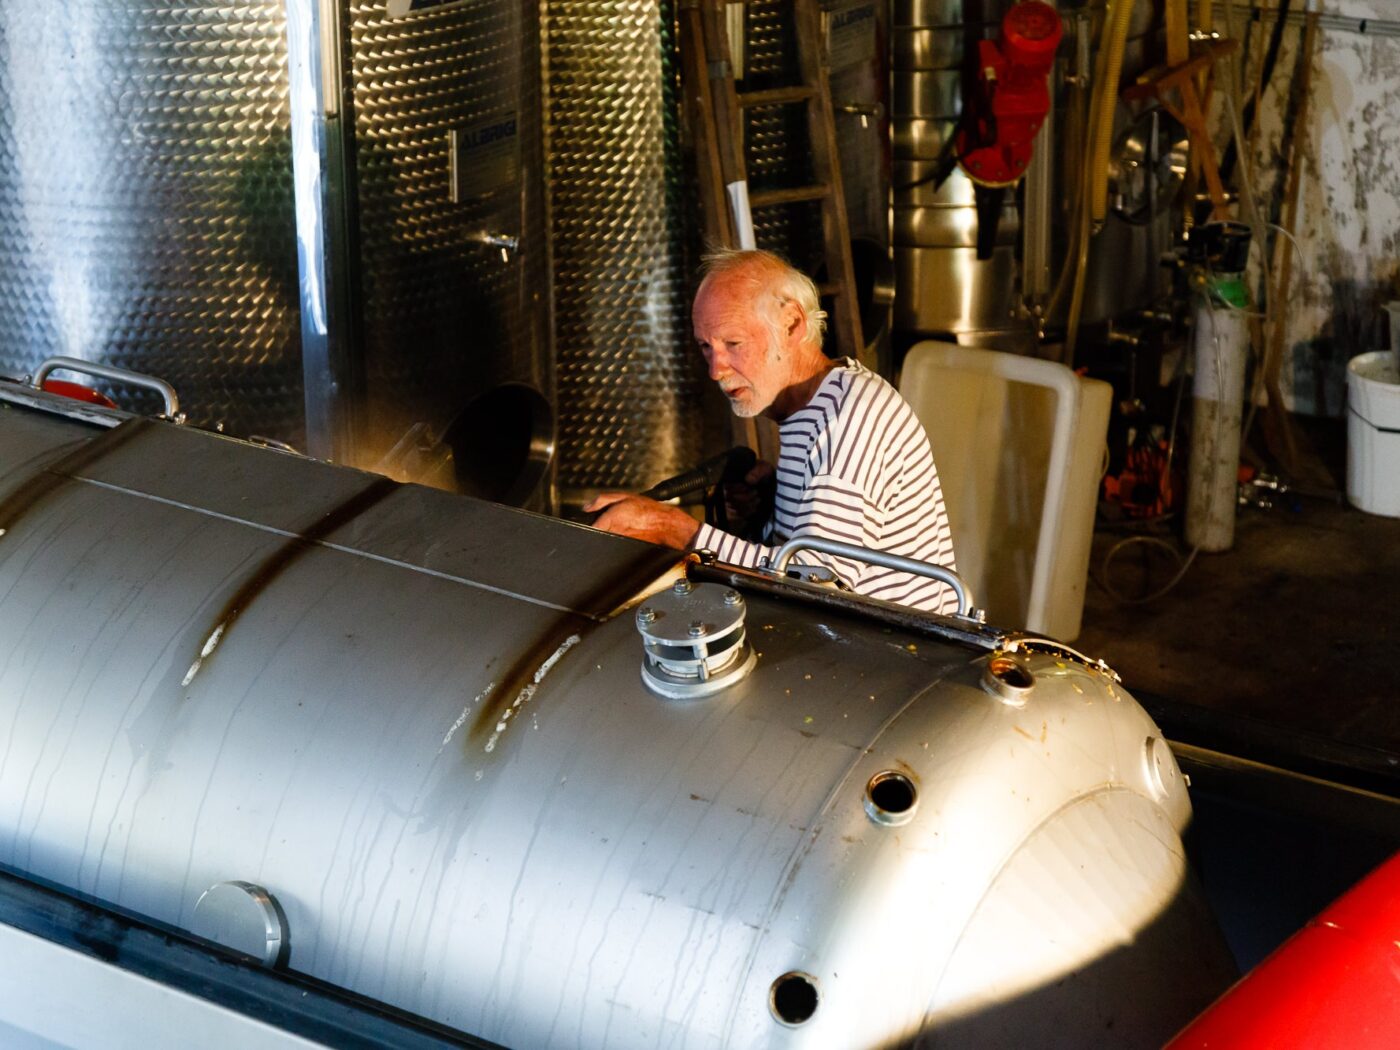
693,640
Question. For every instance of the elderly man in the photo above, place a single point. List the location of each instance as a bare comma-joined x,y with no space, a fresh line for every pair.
854,462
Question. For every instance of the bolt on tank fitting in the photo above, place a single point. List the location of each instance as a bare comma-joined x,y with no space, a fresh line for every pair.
694,641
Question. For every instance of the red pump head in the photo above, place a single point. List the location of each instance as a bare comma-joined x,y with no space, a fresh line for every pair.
1030,34
1004,113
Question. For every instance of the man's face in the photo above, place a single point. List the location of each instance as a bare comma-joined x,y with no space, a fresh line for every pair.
738,346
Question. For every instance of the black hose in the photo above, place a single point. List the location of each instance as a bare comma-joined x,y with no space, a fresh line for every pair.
732,465
1227,162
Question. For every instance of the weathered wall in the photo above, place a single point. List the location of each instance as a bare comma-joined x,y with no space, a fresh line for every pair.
1348,226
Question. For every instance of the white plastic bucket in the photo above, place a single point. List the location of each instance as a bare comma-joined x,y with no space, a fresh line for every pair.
1373,433
1393,308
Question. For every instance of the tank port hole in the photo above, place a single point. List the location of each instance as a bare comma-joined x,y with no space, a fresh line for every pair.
502,444
1010,672
890,798
793,998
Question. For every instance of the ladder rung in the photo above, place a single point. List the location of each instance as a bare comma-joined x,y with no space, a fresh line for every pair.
719,118
775,96
769,198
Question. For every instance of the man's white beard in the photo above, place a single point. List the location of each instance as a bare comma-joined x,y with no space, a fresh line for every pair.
747,409
753,406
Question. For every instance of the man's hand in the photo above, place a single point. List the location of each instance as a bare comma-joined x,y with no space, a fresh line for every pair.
644,519
749,503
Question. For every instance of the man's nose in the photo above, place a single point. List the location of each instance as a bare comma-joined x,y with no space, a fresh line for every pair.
718,361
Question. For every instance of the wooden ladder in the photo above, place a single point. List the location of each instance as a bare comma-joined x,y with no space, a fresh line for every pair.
717,107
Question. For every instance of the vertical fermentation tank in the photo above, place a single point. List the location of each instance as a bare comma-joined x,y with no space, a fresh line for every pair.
630,382
146,205
323,223
941,285
450,233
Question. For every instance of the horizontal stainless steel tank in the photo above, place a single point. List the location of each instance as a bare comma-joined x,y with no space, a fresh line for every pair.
471,754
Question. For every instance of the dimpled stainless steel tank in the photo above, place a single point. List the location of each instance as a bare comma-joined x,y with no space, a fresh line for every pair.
474,756
146,199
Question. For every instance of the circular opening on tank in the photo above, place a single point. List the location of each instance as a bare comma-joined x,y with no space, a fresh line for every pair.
1010,672
793,998
1161,767
502,443
1007,679
890,798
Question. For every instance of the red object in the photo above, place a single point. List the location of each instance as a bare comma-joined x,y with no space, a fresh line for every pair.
78,392
1333,985
1144,487
997,136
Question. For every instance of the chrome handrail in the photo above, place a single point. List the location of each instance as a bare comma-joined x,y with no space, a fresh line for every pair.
885,560
115,374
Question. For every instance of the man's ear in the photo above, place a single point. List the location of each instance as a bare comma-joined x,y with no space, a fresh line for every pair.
794,322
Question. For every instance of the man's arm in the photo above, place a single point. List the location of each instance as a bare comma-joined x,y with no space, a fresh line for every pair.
644,519
828,509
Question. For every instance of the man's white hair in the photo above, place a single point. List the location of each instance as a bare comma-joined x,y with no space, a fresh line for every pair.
775,284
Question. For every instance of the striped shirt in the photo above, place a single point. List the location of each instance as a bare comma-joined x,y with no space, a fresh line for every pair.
854,465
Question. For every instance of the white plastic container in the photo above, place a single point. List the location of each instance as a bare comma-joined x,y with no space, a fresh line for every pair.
1018,443
1373,433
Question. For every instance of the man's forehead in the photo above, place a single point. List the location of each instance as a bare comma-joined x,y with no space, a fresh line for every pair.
728,330
743,286
720,308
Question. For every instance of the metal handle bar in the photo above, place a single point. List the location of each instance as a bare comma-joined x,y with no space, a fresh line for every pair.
881,558
117,375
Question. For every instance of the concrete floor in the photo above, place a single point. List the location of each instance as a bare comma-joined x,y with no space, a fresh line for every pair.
1281,651
1297,626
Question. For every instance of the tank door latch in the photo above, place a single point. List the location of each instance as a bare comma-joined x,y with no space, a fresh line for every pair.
694,640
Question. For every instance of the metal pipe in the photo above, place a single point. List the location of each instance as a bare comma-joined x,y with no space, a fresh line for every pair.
789,589
1035,233
883,559
324,188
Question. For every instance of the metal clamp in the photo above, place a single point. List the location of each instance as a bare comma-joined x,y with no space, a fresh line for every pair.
115,374
883,559
694,641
